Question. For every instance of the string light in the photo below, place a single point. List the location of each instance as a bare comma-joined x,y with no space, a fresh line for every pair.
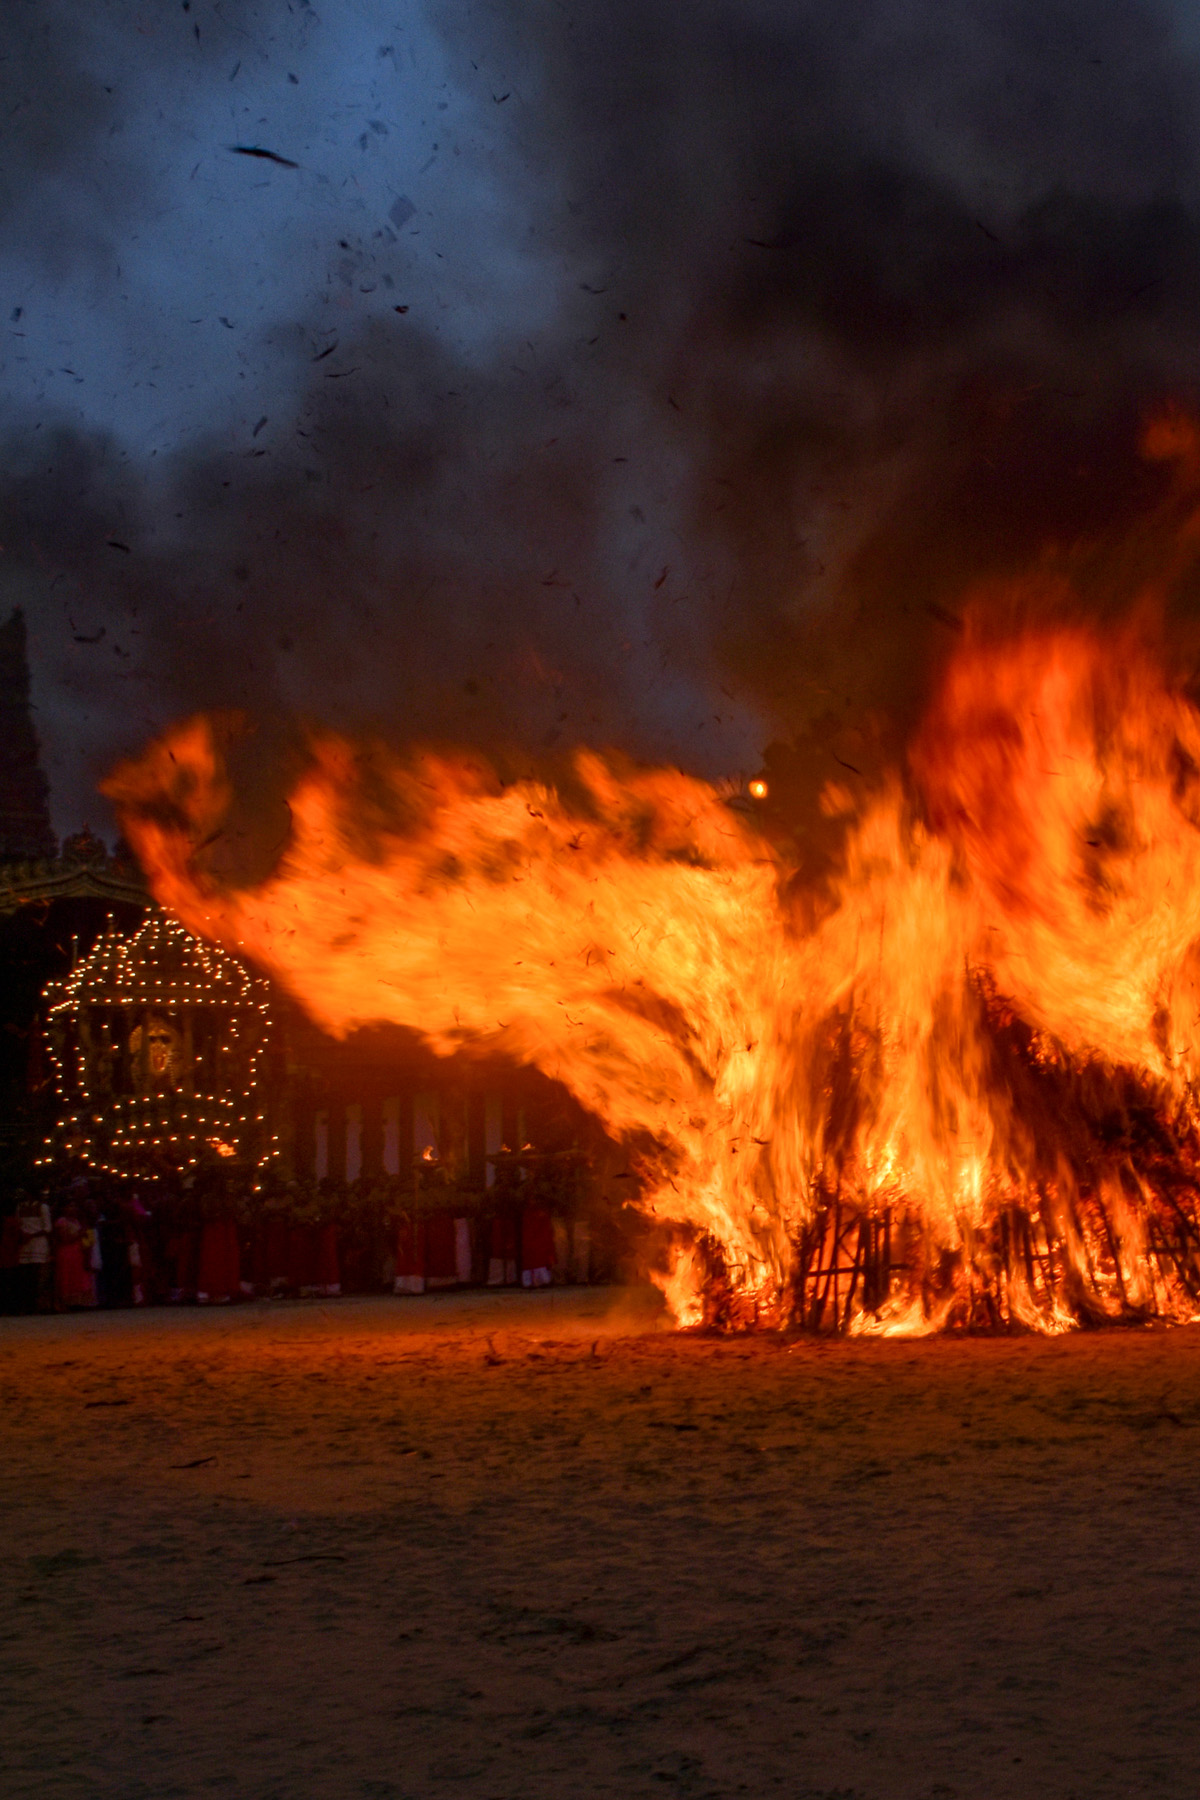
125,987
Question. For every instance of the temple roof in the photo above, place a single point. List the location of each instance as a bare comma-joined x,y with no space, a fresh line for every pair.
70,878
163,965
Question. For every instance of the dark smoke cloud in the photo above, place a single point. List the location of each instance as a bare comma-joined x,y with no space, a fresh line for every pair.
933,265
736,342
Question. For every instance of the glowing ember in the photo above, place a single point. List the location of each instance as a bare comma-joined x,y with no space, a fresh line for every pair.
958,1085
757,790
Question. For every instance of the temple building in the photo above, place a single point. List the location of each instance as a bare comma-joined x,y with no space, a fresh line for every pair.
24,794
53,905
132,1051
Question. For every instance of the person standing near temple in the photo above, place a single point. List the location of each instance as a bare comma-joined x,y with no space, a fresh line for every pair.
74,1283
116,1276
137,1221
33,1218
218,1272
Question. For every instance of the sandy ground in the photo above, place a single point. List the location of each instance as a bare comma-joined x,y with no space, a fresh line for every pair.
528,1545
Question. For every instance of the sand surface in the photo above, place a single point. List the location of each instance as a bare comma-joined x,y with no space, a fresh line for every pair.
530,1545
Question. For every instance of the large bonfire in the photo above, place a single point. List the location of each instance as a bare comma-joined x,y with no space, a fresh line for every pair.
957,1086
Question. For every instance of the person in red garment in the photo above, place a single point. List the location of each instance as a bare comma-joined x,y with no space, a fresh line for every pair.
502,1263
218,1274
410,1255
218,1277
74,1283
441,1264
312,1246
301,1251
327,1267
183,1250
537,1247
272,1241
137,1223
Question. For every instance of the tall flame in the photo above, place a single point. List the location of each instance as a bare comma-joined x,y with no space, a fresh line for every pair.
957,1086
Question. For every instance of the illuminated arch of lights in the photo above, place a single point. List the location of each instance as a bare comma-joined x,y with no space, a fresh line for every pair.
158,1043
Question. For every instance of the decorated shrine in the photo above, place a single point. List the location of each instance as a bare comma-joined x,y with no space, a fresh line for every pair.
160,1047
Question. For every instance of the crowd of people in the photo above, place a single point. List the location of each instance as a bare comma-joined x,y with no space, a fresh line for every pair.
96,1242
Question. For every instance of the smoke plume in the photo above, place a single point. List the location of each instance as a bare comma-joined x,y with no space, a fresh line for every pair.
524,374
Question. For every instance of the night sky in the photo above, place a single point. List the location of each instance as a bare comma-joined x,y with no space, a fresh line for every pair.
651,374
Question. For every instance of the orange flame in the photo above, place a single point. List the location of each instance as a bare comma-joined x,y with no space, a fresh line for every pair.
965,1094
